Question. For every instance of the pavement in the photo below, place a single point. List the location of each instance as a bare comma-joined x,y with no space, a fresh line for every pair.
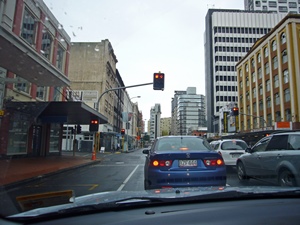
16,169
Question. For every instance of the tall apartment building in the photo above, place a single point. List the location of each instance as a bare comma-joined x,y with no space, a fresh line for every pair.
154,122
165,126
268,78
229,35
188,111
174,105
280,6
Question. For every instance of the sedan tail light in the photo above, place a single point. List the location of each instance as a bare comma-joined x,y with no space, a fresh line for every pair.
213,162
161,163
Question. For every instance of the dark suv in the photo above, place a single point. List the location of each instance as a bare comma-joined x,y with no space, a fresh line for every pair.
276,156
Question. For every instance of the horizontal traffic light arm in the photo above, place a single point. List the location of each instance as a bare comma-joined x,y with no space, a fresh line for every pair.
118,88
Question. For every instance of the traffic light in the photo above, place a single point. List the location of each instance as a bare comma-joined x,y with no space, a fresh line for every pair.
94,125
158,81
122,131
78,129
235,111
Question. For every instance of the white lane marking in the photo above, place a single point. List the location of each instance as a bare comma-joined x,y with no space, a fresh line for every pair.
127,179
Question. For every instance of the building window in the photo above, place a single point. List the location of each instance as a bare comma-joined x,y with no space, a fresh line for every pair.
269,120
268,86
23,87
47,41
288,116
277,116
284,56
259,73
247,96
29,27
267,68
285,76
261,106
282,9
241,73
272,4
247,82
253,77
252,63
258,58
276,81
283,38
277,99
275,63
60,57
41,92
254,92
57,94
266,52
274,45
247,68
292,5
260,90
287,96
268,102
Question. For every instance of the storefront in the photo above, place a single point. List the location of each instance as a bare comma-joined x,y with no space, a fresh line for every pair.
35,128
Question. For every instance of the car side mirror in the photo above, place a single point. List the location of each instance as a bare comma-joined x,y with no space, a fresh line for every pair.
146,151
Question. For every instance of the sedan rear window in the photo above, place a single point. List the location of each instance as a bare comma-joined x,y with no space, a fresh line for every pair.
181,144
234,145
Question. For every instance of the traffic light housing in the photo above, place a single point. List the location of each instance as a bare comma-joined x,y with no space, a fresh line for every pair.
235,111
158,81
78,129
94,125
122,131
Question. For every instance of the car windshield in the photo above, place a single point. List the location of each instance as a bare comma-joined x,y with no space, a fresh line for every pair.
125,97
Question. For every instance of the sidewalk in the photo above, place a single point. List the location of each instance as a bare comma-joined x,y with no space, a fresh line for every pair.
17,170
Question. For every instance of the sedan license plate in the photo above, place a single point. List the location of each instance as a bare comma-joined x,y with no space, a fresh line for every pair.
187,163
235,156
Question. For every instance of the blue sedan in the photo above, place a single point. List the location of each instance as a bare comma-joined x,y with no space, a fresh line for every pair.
182,161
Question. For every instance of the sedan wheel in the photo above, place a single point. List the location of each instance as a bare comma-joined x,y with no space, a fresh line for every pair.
286,178
241,172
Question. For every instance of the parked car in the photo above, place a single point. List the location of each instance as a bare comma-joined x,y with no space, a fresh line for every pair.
181,161
276,156
230,149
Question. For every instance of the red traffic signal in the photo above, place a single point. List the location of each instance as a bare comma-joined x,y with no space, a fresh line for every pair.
158,81
122,131
94,125
235,111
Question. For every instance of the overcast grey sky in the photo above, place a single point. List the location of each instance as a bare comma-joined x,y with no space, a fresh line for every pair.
147,36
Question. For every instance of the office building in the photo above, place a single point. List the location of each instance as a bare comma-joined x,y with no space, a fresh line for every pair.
229,35
188,111
268,80
280,6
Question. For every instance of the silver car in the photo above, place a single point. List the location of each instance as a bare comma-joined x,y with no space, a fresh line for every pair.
275,157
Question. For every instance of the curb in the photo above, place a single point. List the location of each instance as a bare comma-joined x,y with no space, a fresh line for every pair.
39,177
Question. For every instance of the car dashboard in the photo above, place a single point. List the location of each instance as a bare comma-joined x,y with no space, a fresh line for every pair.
253,211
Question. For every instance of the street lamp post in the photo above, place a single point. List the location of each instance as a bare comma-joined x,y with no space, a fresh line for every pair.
127,122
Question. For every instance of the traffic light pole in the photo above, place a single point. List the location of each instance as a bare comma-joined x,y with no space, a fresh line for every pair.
118,88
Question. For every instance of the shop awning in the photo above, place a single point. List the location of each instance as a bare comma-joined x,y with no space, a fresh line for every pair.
18,57
58,112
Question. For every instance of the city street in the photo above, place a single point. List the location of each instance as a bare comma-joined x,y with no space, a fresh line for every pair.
116,172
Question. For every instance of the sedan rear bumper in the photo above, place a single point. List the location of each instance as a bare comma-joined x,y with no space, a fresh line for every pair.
159,179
